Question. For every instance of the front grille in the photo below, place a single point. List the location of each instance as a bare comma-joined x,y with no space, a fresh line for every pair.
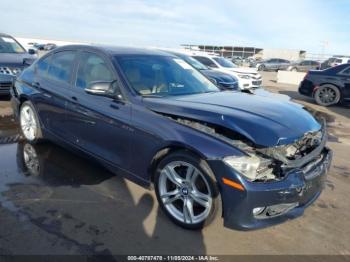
257,83
5,85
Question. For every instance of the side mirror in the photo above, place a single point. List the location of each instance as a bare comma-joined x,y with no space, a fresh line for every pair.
31,51
107,89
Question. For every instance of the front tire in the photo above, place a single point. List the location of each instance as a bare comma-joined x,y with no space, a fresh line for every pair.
327,95
187,191
29,122
261,68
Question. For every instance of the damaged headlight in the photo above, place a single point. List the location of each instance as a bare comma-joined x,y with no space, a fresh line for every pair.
252,167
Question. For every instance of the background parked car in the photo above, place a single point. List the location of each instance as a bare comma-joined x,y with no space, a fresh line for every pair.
49,46
334,61
13,58
247,77
222,80
339,61
329,86
273,64
304,66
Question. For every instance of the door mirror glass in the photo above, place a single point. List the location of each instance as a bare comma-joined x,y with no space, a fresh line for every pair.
108,89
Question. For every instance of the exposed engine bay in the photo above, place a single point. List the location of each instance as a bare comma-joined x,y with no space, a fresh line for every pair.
273,163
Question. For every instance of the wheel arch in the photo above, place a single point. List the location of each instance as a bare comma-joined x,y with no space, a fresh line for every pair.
166,150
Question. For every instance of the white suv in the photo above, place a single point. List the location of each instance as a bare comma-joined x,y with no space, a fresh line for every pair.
339,61
247,77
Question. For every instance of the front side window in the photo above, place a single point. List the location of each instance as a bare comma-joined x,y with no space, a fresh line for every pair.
224,62
205,61
346,71
163,76
61,66
92,68
42,65
10,45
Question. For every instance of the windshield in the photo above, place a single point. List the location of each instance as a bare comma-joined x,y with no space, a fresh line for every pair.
9,45
163,76
224,62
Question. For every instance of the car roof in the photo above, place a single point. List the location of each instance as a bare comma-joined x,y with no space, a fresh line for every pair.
114,50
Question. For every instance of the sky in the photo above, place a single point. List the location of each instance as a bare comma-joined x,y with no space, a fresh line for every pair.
317,26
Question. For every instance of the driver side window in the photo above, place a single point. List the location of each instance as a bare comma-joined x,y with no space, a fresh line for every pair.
92,68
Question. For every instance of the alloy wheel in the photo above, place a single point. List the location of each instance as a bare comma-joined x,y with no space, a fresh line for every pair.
327,95
28,123
185,192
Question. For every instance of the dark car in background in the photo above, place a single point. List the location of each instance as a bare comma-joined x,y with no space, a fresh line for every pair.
222,80
151,117
304,66
273,64
13,58
328,87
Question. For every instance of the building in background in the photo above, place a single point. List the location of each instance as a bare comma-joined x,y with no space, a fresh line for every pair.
245,52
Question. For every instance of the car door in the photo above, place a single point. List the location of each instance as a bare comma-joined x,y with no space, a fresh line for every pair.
98,124
52,79
272,64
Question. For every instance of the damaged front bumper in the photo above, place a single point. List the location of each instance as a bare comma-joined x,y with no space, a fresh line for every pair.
262,204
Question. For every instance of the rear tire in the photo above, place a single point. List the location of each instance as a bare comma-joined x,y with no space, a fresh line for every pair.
327,95
29,122
187,191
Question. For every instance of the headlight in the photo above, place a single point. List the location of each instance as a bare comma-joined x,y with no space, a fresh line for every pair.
252,167
244,76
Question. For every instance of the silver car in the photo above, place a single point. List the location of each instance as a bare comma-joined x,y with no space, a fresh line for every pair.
273,64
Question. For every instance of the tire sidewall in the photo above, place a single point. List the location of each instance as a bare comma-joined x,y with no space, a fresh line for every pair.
203,167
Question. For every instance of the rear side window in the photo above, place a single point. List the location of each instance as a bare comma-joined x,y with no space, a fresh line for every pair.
206,61
92,68
61,66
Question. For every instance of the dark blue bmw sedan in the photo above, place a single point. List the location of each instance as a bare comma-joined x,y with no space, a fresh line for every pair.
151,117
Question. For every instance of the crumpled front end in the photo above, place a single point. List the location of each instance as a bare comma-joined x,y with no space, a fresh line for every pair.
287,179
276,183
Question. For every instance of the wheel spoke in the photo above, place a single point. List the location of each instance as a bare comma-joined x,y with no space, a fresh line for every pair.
188,210
172,175
200,198
190,172
170,197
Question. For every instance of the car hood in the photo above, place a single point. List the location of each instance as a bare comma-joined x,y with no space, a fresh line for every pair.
265,121
219,76
16,60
